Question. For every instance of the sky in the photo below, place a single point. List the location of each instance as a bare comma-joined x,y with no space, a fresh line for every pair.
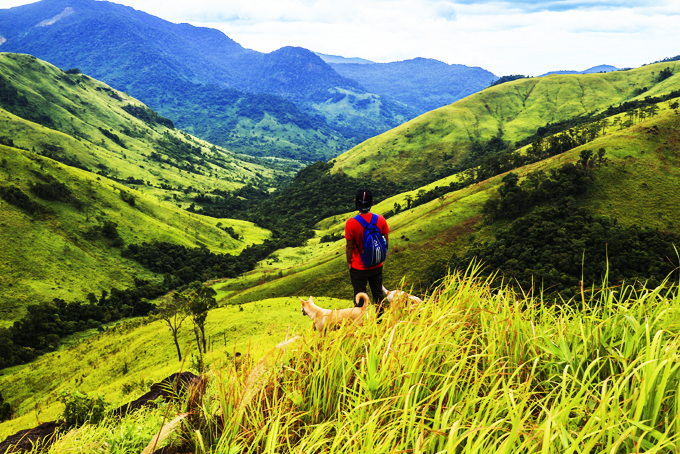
527,37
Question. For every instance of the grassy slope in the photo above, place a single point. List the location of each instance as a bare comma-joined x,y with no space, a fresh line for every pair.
640,186
46,256
470,370
96,364
515,109
78,106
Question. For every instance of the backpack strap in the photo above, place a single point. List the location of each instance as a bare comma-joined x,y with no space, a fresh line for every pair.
364,224
361,220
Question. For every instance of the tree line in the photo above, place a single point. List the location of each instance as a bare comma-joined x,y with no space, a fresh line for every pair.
45,323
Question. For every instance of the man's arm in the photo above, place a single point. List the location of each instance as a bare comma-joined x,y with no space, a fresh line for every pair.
349,251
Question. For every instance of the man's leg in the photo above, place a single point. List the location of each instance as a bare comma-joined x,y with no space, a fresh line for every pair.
359,280
375,281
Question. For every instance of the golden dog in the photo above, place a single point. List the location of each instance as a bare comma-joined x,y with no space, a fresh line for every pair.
325,319
401,298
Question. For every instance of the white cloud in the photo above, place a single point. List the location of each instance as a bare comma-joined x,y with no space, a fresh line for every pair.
506,37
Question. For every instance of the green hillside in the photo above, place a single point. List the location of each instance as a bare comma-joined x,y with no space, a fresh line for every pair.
638,186
110,133
440,140
79,158
59,247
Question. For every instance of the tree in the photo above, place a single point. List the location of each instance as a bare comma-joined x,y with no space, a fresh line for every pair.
665,74
174,311
652,110
5,409
200,300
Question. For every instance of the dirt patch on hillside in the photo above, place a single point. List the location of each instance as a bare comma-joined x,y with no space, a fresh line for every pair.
175,384
452,235
26,439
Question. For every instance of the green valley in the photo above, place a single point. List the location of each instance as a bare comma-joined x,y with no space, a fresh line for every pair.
564,190
96,170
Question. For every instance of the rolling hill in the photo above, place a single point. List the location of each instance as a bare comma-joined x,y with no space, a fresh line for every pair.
87,169
514,111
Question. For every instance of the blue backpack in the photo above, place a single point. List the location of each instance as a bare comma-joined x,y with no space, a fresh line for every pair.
374,248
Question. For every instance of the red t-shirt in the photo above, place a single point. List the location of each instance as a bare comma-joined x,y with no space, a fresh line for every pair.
354,231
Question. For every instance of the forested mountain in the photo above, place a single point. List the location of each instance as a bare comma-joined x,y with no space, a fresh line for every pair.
422,83
168,66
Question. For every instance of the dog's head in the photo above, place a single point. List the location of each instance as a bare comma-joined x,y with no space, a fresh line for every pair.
401,298
305,303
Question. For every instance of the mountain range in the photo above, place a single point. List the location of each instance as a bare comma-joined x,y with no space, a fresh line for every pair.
423,83
289,102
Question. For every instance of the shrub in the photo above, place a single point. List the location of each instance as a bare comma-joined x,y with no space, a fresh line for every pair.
81,409
15,196
127,198
5,409
331,237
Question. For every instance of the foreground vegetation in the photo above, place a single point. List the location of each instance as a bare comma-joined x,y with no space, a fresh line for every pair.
473,369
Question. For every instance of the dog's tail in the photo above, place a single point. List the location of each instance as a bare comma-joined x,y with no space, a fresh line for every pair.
363,297
385,291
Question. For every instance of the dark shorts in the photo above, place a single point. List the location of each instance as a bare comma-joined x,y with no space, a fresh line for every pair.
373,278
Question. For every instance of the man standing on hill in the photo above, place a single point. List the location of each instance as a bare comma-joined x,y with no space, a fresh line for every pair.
366,235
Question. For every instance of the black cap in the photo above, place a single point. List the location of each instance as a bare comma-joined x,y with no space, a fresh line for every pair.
364,199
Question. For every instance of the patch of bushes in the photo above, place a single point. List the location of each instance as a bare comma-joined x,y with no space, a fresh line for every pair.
127,198
15,196
80,409
331,238
232,233
5,409
54,191
148,116
113,137
107,230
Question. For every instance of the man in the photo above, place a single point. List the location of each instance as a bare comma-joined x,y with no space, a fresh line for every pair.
360,274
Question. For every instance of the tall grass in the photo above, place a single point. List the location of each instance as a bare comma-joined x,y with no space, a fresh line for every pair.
471,370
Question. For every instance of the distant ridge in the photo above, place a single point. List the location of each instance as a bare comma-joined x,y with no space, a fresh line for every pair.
339,59
594,69
422,83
